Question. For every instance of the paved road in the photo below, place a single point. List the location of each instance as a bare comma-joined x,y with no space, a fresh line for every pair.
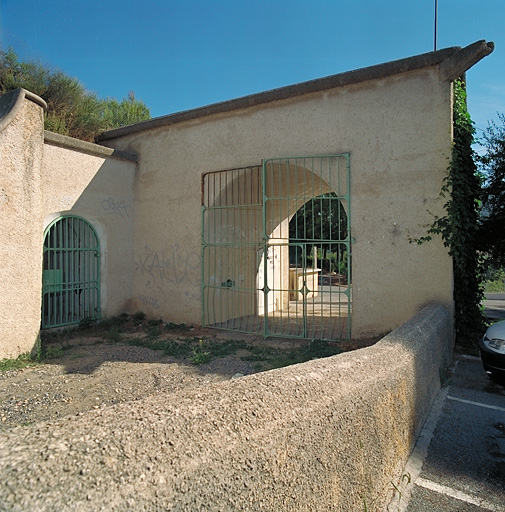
459,462
494,305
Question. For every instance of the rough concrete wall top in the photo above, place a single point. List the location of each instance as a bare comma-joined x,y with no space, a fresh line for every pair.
12,101
330,434
82,146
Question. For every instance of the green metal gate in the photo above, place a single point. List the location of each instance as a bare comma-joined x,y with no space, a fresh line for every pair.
71,275
276,248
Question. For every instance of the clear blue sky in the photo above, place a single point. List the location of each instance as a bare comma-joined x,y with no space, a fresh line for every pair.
182,54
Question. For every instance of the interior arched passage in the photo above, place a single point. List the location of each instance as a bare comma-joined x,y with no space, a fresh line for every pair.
248,283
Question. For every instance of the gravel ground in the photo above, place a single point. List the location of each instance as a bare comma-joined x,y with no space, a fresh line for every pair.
90,372
93,375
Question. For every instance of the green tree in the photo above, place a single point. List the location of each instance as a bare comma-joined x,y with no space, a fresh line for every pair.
71,110
123,113
320,218
491,233
458,227
320,222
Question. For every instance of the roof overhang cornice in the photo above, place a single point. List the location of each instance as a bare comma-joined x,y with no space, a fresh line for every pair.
452,63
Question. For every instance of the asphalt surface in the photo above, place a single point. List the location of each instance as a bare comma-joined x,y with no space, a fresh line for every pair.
494,306
458,464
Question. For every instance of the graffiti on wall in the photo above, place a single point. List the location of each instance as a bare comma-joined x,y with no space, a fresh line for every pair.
113,206
165,273
148,300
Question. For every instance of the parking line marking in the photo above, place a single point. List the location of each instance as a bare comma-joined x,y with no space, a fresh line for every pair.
479,404
453,493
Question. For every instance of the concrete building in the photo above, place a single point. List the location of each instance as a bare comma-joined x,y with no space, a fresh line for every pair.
220,215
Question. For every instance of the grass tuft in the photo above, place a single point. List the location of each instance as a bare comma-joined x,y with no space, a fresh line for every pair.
200,355
22,361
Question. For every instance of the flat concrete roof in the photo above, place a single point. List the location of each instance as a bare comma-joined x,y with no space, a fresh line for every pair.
458,61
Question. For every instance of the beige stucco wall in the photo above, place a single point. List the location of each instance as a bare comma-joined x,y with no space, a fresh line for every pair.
21,141
39,182
99,189
398,132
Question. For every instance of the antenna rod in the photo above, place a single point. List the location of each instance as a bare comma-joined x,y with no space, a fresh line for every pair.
436,27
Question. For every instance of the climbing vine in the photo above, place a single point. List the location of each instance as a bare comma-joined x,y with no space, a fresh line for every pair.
458,227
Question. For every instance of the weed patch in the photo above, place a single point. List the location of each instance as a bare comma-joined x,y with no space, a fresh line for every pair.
113,335
178,348
52,353
170,326
22,361
155,334
277,358
200,354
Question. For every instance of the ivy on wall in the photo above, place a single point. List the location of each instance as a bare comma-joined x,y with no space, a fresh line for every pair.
458,227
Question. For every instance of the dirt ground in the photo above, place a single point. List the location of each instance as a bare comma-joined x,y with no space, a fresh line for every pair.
84,371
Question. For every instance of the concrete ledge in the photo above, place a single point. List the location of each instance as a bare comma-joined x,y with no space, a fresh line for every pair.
455,66
330,434
87,147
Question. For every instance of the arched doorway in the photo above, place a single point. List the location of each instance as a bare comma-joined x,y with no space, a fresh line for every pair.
319,264
71,272
250,234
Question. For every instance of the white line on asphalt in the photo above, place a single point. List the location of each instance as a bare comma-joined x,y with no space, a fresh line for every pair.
479,404
416,460
461,496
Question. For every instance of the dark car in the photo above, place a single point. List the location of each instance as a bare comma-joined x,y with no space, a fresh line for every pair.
492,351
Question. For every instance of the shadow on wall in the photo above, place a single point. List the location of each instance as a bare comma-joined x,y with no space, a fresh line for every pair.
88,245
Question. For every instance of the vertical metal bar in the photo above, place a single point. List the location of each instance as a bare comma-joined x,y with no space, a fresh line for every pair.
47,297
47,303
90,269
91,299
73,256
349,251
202,252
74,263
54,294
85,299
59,319
261,285
435,29
73,260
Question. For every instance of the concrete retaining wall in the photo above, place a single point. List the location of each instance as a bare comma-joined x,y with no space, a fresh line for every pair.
330,434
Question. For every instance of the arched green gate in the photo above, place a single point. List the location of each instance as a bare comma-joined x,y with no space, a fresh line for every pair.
71,275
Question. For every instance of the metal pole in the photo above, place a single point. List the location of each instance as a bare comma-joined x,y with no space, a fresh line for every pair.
436,26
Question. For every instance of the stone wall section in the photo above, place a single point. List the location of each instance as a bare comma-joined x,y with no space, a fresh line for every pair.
329,434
